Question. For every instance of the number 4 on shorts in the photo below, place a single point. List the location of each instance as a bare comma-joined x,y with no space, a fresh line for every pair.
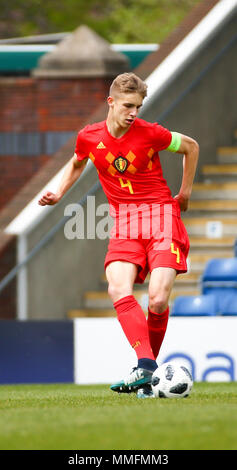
175,252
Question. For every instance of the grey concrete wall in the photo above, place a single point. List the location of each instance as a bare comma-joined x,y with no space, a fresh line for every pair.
207,112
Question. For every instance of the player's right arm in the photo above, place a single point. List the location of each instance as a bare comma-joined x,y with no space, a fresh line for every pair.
72,172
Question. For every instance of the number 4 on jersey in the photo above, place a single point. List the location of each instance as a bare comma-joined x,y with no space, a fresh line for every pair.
126,185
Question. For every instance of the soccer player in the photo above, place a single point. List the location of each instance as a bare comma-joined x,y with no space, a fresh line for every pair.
148,234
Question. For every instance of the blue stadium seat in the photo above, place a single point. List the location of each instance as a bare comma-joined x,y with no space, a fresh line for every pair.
220,278
229,305
221,270
195,305
222,294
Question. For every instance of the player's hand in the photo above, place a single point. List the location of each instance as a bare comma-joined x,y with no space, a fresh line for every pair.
183,202
48,199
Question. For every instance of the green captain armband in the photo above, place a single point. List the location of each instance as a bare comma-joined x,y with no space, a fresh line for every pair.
175,142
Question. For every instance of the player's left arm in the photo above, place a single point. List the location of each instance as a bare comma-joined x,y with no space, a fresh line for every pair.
190,149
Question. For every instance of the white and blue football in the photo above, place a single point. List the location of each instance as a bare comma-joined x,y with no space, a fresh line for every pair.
171,380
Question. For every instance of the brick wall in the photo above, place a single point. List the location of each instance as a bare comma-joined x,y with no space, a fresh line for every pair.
18,111
8,261
37,106
63,105
15,172
31,105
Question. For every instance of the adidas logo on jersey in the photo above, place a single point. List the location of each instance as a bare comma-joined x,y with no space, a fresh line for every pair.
101,146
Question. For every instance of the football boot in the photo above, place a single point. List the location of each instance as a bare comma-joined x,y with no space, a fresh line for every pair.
137,378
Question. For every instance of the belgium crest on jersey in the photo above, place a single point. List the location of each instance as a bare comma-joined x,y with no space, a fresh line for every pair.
121,164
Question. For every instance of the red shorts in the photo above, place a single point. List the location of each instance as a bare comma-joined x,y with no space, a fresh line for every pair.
162,248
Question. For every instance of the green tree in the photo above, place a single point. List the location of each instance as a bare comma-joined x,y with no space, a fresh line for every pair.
119,21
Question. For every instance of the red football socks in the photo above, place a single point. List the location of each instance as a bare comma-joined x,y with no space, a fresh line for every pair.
157,324
134,325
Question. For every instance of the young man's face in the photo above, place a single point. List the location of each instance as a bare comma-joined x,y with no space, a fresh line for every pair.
125,108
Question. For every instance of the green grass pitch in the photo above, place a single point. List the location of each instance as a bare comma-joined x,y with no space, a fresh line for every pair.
68,416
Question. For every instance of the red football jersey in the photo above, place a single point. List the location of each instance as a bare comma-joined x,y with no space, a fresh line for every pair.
129,167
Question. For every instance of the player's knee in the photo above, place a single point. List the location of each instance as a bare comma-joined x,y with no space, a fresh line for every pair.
118,291
158,302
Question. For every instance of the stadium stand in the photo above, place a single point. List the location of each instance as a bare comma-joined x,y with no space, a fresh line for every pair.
220,272
195,305
229,306
235,248
218,285
189,81
220,279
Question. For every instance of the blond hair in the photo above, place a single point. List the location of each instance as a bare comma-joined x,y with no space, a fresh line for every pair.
128,83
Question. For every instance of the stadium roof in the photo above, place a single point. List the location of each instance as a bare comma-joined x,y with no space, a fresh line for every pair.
21,55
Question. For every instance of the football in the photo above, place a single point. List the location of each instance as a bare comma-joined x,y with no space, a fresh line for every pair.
171,380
